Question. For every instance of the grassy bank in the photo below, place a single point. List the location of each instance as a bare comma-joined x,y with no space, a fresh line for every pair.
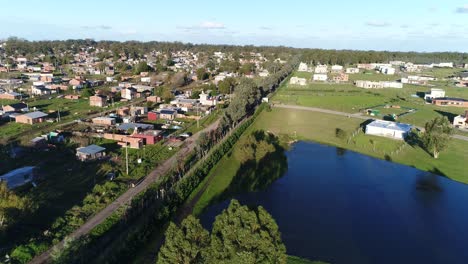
318,127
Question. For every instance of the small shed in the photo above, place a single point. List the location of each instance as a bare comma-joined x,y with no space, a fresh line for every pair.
388,129
90,152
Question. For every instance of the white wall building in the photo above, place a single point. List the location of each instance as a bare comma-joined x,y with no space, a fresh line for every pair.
461,121
321,69
434,93
388,129
352,70
336,68
377,85
297,81
303,67
320,77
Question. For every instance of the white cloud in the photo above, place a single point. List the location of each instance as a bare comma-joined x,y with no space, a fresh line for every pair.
101,27
212,25
462,10
265,28
377,24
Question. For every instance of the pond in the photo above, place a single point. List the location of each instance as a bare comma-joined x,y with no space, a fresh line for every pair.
344,207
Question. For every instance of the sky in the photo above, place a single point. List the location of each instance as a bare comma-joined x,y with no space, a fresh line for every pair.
398,25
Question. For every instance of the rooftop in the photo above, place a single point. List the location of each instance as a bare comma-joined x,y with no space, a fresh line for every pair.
90,150
127,126
390,125
37,114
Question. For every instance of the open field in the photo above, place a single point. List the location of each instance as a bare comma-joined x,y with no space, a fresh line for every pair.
303,125
348,98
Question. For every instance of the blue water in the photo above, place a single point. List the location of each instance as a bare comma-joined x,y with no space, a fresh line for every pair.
352,208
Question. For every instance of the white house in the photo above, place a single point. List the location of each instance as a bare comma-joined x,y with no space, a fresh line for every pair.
377,85
320,77
352,70
434,93
206,100
336,68
321,69
388,129
443,65
303,67
145,79
387,70
461,121
298,81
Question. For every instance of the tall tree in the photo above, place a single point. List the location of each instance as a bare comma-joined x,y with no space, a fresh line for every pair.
241,235
437,135
186,244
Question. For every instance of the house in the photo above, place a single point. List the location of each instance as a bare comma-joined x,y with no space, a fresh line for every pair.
98,100
134,126
18,107
153,99
447,101
388,129
303,67
207,100
106,121
461,121
377,85
341,77
90,152
10,96
297,81
145,79
321,69
167,114
336,68
150,137
128,93
31,118
387,70
434,93
18,177
40,90
320,77
125,140
352,70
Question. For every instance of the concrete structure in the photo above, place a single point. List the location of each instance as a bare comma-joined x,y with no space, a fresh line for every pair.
126,140
207,100
90,152
461,121
320,77
150,137
303,67
341,77
297,81
167,114
128,93
31,118
447,101
336,68
98,101
321,69
377,85
434,93
18,107
134,126
388,129
106,121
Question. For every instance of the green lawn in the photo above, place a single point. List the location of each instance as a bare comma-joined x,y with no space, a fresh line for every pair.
318,127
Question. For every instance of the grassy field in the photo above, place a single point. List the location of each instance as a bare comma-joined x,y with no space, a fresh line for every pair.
318,127
350,99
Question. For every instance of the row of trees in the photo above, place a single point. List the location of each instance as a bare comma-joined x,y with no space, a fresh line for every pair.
239,235
136,49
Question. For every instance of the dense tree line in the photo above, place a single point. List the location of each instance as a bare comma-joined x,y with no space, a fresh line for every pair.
137,49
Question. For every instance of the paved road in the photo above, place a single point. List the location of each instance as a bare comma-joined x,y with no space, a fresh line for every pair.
357,115
125,198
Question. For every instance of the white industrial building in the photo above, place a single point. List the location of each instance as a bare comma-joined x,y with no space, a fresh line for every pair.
320,77
388,129
461,121
352,70
337,68
434,93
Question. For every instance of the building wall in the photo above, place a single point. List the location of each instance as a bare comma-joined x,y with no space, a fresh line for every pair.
450,103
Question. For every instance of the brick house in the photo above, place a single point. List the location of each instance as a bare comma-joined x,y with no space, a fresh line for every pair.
31,118
98,100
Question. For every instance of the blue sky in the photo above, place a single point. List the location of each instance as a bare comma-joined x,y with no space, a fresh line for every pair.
431,25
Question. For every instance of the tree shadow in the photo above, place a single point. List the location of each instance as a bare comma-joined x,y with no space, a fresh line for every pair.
421,94
450,116
429,182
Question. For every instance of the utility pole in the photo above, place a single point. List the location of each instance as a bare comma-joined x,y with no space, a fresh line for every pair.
126,156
